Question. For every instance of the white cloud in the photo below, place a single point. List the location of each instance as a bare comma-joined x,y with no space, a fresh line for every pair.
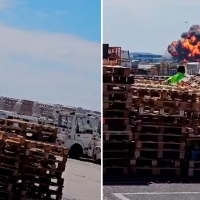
141,25
51,67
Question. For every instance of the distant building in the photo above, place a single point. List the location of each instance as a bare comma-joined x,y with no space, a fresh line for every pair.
149,57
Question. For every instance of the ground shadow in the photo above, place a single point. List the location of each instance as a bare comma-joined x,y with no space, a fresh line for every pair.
85,159
147,180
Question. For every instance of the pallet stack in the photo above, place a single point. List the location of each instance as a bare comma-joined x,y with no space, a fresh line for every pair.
193,150
165,126
36,165
10,158
41,171
117,134
193,161
163,115
30,131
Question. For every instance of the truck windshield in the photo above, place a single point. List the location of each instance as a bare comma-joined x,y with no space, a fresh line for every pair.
84,125
67,122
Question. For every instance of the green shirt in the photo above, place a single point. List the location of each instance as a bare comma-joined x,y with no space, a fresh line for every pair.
176,78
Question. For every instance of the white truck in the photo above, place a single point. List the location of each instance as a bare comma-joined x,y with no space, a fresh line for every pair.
94,148
78,134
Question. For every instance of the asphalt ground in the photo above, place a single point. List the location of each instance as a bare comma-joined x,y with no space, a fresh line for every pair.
82,180
155,190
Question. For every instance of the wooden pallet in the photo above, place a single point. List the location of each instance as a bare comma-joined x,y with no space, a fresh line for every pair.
46,148
193,142
158,119
7,187
117,127
116,113
118,70
155,171
116,87
28,125
155,163
6,195
154,154
40,154
117,96
43,179
116,145
8,179
161,129
8,171
10,146
116,170
160,145
116,162
11,154
42,187
116,154
195,172
117,136
37,170
40,136
155,137
27,194
52,162
30,134
140,91
158,103
11,139
119,105
29,130
150,110
119,121
110,78
194,164
10,161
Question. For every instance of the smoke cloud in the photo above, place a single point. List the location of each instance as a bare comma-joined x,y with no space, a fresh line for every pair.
188,47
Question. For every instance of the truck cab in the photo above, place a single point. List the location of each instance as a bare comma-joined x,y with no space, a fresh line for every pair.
78,131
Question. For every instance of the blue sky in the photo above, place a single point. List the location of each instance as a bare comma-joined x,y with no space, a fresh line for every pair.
50,51
147,26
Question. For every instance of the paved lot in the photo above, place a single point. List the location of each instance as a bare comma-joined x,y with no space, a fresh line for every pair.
82,181
159,191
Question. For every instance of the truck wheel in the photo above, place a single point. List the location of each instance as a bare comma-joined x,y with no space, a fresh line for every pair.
75,151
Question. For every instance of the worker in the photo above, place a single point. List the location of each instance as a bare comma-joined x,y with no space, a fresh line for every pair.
178,76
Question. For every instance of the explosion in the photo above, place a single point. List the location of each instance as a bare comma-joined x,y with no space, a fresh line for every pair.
188,47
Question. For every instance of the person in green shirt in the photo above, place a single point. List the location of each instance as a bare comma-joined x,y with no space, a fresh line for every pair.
178,76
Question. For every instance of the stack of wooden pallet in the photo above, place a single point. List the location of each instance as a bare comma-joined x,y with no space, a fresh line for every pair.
10,157
36,166
163,116
117,134
193,155
41,171
30,131
193,146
